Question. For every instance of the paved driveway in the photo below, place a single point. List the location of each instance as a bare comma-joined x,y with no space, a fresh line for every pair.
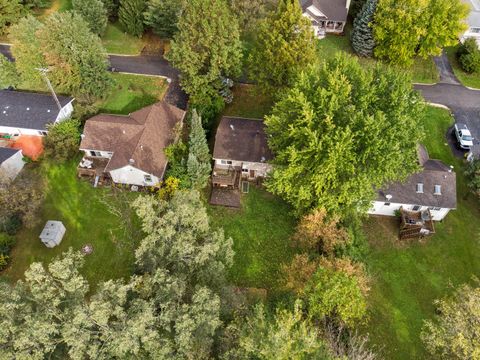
463,102
143,65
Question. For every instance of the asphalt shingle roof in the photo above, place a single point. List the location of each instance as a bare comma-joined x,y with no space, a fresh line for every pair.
334,10
7,153
27,110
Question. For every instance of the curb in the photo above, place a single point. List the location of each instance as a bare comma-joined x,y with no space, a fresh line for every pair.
439,106
149,75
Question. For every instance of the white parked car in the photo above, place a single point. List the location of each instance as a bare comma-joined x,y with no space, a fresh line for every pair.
464,137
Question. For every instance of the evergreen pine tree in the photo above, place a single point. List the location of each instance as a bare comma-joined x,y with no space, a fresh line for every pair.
162,16
130,15
198,162
94,13
363,41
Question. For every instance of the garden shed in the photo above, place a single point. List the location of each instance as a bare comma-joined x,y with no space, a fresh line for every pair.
52,233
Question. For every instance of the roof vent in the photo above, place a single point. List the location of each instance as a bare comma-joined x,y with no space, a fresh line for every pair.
232,127
131,161
82,136
123,131
263,159
28,109
419,188
48,110
141,147
388,197
437,190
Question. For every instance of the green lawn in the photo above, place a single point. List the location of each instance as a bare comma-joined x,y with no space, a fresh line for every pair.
117,41
100,217
422,71
260,231
470,80
132,92
408,278
248,103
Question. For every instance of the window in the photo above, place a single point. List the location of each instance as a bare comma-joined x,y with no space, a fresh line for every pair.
387,204
475,30
226,162
416,208
437,190
43,133
95,153
420,188
434,208
244,170
147,178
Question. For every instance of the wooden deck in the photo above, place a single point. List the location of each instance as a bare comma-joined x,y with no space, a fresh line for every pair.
226,178
415,224
97,168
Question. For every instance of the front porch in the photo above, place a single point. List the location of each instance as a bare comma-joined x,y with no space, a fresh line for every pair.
322,28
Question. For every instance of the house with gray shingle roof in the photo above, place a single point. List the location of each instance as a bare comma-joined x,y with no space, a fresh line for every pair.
433,188
327,16
27,113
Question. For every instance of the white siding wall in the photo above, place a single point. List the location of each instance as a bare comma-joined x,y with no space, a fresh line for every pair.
468,34
261,169
65,113
104,154
12,167
13,130
132,176
379,208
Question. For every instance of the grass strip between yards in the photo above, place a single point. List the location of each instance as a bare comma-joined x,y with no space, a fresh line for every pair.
409,277
132,92
100,217
470,80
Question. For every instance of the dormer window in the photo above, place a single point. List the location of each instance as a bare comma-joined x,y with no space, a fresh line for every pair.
419,188
437,190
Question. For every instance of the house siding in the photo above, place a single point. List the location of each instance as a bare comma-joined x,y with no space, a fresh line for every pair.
103,154
11,167
130,175
379,208
261,169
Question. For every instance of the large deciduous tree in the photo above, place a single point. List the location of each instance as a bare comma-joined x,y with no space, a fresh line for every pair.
10,12
162,16
405,28
340,133
251,12
454,331
75,56
94,13
130,15
26,49
206,51
285,45
363,41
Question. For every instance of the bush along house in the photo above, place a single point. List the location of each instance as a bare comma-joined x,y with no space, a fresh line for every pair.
241,152
129,150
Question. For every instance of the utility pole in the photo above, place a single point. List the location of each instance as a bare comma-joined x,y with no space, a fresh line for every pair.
44,72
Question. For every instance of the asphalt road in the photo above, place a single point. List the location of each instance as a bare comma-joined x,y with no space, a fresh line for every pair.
463,102
143,65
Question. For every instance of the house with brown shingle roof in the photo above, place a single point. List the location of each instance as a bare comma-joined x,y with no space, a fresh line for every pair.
241,151
129,149
327,16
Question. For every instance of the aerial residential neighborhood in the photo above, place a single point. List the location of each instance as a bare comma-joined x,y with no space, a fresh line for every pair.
239,179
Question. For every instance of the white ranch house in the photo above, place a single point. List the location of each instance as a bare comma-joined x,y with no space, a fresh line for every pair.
433,188
326,16
26,113
473,21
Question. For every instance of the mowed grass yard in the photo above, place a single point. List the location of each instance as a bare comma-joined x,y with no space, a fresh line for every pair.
261,232
132,92
470,80
97,216
422,71
407,278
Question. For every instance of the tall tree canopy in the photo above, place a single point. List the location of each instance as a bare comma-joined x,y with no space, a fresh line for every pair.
251,12
10,12
26,49
130,15
162,16
454,331
75,56
8,73
363,41
404,28
94,13
285,45
199,159
206,51
341,132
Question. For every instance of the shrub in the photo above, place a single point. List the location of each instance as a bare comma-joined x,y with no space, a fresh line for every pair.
3,261
61,142
469,56
473,175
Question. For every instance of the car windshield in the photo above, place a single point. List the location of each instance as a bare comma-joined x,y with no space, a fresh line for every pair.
467,138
